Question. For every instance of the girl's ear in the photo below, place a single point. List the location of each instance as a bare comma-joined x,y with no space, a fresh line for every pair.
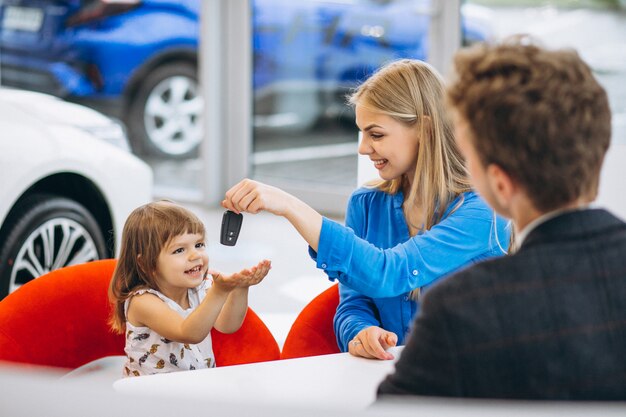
141,265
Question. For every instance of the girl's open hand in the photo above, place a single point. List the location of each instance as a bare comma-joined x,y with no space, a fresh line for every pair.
242,279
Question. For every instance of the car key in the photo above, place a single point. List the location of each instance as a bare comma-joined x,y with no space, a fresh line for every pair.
231,224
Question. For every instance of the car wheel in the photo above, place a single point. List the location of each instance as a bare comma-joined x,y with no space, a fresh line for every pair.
164,117
45,233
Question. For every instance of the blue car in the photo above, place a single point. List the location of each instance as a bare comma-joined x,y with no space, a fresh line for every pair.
137,60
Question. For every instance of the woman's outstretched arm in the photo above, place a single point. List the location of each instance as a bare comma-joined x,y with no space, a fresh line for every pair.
467,234
252,197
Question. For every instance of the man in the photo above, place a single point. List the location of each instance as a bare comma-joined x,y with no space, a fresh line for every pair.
549,321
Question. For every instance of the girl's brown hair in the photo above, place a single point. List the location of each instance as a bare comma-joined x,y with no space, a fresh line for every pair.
147,231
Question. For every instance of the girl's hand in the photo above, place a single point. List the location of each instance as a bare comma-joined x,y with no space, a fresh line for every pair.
242,279
373,342
252,197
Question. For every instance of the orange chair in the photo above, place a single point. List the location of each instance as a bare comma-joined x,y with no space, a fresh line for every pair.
60,320
253,342
312,332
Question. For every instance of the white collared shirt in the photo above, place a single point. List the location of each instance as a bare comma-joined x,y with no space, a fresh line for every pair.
520,236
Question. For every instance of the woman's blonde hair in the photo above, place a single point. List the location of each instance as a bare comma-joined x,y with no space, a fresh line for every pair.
411,92
147,231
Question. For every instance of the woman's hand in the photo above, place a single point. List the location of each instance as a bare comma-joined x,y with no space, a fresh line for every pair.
252,197
242,279
373,342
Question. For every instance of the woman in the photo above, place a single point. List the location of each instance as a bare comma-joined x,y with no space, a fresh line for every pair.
420,222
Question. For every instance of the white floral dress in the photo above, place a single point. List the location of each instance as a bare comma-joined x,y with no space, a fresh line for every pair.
150,353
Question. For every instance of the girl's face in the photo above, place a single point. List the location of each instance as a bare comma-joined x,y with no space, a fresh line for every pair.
182,263
389,144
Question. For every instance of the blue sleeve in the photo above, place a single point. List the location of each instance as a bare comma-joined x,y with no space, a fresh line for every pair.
355,311
469,233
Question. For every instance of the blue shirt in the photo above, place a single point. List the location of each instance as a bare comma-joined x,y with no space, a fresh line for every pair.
378,263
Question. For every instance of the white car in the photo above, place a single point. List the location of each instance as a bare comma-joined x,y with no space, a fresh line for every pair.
67,183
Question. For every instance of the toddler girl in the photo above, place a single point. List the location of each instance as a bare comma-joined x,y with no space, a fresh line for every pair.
163,296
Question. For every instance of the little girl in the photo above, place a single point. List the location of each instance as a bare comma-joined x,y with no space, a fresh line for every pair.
162,296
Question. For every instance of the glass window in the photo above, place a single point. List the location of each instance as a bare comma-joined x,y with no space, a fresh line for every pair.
135,61
595,28
308,56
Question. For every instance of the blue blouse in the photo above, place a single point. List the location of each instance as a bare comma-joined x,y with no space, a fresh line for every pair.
378,263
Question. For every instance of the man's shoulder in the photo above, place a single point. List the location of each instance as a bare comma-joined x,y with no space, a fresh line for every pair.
479,280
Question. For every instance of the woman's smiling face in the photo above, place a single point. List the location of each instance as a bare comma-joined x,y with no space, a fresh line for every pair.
391,145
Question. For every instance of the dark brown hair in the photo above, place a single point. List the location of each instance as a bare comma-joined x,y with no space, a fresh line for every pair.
147,231
538,114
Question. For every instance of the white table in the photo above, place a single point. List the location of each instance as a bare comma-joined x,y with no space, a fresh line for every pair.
338,381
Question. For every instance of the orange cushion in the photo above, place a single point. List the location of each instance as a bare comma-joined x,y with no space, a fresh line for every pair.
312,332
253,342
60,319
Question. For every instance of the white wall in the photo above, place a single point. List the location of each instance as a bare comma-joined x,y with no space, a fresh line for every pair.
613,181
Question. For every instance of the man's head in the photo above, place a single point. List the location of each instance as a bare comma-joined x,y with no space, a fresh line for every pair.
534,116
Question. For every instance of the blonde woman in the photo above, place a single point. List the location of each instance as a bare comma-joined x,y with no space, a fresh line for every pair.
419,223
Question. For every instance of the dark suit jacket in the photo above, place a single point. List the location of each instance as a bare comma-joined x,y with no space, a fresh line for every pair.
548,322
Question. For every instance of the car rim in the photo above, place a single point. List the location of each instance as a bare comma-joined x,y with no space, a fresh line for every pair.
56,243
172,115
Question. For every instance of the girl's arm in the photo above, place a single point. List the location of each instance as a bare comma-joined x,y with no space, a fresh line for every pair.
234,311
150,311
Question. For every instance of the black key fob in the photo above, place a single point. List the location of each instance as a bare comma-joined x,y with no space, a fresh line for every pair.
231,224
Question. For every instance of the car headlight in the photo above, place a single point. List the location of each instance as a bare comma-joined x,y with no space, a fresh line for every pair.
113,133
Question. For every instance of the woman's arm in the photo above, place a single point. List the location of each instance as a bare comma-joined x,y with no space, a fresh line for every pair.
252,197
467,234
354,313
357,321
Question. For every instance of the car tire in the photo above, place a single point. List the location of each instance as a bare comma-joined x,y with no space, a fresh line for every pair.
164,117
46,232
